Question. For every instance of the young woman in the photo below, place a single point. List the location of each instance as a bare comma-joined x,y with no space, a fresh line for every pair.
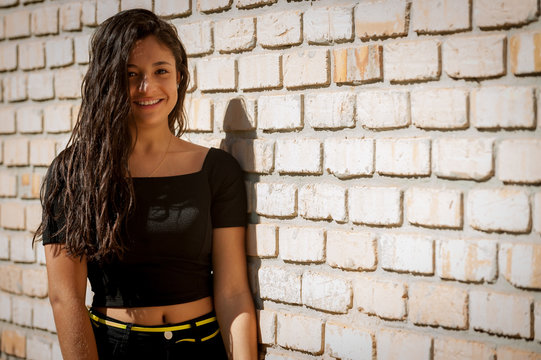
156,223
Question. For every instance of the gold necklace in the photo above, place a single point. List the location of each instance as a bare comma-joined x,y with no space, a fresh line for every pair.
163,158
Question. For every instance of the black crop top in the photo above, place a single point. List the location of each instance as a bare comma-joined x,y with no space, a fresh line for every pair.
170,236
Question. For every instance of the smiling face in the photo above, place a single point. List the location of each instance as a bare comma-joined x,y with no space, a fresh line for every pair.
153,80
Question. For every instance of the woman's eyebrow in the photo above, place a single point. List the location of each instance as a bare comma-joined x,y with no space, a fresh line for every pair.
158,63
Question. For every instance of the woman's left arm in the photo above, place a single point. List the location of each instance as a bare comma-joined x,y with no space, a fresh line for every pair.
232,297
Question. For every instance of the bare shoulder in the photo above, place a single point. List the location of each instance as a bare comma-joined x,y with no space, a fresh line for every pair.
187,157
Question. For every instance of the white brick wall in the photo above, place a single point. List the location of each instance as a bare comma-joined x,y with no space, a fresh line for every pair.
351,250
326,292
394,345
323,25
383,298
407,253
301,244
279,29
433,207
383,109
347,158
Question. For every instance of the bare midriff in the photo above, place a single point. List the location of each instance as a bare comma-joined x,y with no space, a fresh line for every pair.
160,315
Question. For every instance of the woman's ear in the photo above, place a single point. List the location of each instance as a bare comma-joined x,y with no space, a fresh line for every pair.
178,78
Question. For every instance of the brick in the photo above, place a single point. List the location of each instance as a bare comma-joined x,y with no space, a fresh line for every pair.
347,342
382,109
509,353
490,14
192,83
375,205
322,202
199,112
402,345
43,315
32,55
11,278
525,59
299,332
8,56
347,158
279,112
254,155
208,6
417,60
15,87
22,311
520,264
438,305
508,107
466,260
434,207
382,298
279,29
301,244
2,28
262,71
248,4
196,37
17,24
381,19
330,110
217,74
5,307
266,326
298,156
35,282
40,86
42,151
88,13
33,216
8,3
135,4
4,250
450,349
403,156
407,253
57,118
272,354
262,240
13,343
38,348
279,284
105,9
351,250
70,17
81,49
30,119
235,35
8,185
30,185
486,314
276,199
474,57
466,158
306,68
67,83
358,65
326,292
440,16
7,126
537,212
16,152
528,169
235,114
59,52
45,20
537,320
439,108
170,8
500,209
21,249
325,25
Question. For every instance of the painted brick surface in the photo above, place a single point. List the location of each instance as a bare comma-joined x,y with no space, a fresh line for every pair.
394,345
267,326
412,60
234,35
520,264
348,158
326,292
306,68
279,112
308,159
463,158
322,202
32,55
347,342
380,19
260,71
301,244
490,14
440,16
276,199
330,110
380,109
407,253
351,250
196,37
255,156
508,169
383,298
300,332
280,283
217,74
403,156
525,58
439,108
449,348
375,205
358,65
433,207
279,29
323,25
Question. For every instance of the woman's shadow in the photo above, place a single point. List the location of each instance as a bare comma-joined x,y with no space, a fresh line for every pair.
239,125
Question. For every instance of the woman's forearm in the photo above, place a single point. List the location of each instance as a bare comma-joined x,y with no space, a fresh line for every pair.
236,316
74,330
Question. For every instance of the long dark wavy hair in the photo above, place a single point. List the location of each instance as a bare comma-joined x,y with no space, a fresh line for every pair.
87,195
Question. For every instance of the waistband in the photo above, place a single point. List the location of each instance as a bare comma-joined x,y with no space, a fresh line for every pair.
194,323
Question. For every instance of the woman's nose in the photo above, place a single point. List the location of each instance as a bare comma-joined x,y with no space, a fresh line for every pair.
143,84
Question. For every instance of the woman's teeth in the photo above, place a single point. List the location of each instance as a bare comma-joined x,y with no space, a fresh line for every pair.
145,103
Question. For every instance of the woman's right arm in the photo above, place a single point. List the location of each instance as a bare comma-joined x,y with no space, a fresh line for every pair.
67,290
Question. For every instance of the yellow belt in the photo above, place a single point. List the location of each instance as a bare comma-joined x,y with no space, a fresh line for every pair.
158,329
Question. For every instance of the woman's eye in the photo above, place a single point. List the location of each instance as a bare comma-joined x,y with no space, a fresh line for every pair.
161,71
131,74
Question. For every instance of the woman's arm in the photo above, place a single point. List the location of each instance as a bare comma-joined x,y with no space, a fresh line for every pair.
232,296
67,290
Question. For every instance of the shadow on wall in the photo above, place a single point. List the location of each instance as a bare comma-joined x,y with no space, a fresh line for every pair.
240,128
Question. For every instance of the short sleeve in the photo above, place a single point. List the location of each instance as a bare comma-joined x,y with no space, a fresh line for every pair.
228,207
51,234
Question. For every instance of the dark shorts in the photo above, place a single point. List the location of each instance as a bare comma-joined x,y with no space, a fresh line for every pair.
198,338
